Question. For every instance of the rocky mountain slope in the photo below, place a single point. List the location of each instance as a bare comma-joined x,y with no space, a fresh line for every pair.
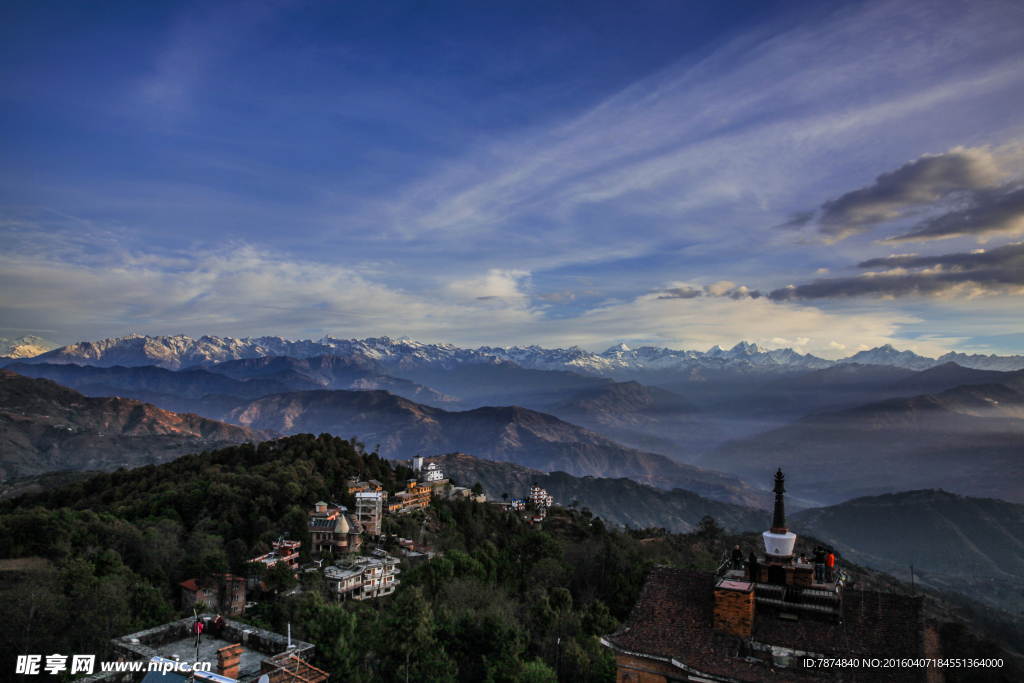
46,427
966,440
970,545
620,501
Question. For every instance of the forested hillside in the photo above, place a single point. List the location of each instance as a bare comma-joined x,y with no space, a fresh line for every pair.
501,602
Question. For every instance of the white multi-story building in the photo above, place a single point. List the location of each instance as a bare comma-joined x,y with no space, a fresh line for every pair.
428,471
540,497
366,578
432,472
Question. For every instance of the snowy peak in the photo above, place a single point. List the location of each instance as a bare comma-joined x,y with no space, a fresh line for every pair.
25,347
887,355
619,361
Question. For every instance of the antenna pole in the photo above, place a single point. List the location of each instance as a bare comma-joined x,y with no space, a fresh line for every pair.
912,592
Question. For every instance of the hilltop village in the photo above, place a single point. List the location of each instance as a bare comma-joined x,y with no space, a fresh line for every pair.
340,539
310,559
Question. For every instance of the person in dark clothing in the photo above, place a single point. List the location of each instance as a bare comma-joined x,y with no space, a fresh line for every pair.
737,558
218,625
819,564
752,564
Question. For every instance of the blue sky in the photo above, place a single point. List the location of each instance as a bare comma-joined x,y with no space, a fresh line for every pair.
665,173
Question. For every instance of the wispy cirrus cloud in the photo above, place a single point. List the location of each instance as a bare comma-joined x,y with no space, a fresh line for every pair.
693,142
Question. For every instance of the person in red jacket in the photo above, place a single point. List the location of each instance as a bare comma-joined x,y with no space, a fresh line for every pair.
830,563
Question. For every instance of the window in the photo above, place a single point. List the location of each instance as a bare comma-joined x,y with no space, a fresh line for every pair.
207,592
235,608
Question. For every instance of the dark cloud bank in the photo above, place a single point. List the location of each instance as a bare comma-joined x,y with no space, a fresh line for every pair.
997,270
960,174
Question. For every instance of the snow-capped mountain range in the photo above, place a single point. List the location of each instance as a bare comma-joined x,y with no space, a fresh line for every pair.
24,347
174,352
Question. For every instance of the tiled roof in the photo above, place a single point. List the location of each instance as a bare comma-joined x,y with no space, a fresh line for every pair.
289,668
673,620
190,585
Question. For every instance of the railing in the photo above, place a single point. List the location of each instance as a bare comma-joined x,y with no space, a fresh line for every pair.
724,567
798,598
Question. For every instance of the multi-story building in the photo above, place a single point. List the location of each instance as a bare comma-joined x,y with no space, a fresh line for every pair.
369,511
432,472
282,551
540,498
429,472
414,497
354,486
363,579
332,530
223,593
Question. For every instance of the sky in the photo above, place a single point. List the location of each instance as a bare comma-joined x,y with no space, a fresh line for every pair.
828,177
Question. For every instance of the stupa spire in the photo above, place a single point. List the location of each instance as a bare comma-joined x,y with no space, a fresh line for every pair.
779,518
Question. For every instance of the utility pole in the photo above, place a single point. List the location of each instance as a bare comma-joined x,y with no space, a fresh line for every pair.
912,591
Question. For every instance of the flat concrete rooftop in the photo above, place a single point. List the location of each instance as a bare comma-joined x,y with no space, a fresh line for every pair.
175,640
185,651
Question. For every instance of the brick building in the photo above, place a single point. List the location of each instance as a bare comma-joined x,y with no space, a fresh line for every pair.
742,626
222,593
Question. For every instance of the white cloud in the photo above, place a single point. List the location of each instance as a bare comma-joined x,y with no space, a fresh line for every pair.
240,290
507,285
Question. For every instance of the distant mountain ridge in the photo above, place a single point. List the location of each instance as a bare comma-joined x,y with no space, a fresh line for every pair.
45,427
403,428
967,439
647,418
618,361
621,501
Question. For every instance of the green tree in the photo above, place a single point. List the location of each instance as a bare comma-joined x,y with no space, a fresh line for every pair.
708,530
333,631
279,578
536,672
409,647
